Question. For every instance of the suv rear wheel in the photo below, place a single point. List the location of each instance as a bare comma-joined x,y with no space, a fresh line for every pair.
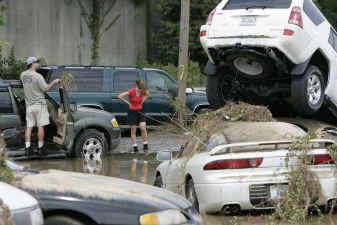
91,144
307,91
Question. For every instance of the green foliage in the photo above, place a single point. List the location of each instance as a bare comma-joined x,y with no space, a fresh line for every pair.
10,66
166,40
195,76
329,9
303,187
96,18
3,7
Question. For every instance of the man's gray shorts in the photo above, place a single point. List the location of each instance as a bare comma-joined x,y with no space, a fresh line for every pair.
37,116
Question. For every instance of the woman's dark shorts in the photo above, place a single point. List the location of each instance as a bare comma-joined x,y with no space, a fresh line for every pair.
135,117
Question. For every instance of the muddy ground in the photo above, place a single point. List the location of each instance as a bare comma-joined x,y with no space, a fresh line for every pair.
119,164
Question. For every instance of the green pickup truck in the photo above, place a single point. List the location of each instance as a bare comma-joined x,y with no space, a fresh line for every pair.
99,87
80,131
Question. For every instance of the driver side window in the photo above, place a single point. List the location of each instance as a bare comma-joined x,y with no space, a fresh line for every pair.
158,82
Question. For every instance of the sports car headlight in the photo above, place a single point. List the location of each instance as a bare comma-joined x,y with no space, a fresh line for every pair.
36,217
168,217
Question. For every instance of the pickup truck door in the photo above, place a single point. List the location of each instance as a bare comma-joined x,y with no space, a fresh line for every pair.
11,126
64,121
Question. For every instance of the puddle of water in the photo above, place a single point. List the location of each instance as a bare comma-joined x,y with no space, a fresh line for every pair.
116,165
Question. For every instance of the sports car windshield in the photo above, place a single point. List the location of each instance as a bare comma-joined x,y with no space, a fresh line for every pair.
250,4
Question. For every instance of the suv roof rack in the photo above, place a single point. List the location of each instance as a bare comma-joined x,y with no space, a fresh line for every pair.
89,66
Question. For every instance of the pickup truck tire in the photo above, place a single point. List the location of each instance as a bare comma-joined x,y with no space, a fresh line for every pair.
95,142
64,220
214,91
307,91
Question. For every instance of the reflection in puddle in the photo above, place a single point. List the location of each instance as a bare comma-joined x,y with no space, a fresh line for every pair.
116,165
92,166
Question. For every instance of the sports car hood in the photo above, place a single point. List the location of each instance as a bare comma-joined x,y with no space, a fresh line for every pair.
85,186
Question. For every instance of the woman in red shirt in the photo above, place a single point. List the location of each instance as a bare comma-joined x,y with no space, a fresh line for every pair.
137,96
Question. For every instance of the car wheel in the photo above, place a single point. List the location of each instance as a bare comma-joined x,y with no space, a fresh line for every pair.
91,145
191,195
64,220
250,65
158,182
307,91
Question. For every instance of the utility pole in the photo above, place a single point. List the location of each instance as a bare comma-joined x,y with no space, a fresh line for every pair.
183,53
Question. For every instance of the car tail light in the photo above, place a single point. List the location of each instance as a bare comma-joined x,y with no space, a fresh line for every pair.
210,17
234,164
320,159
296,17
288,32
203,33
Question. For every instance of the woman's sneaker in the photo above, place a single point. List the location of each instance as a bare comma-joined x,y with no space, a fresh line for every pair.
135,149
146,147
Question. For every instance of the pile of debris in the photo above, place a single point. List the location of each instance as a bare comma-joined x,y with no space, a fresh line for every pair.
211,123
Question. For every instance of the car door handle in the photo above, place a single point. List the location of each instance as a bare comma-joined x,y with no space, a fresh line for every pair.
115,97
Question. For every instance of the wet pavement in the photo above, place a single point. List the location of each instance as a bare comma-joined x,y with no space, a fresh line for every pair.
119,165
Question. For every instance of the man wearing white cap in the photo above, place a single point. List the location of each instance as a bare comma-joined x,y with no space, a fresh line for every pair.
37,114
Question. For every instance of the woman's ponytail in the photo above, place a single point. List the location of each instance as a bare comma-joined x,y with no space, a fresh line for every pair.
141,85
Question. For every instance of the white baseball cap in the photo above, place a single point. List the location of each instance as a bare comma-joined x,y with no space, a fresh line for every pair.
32,60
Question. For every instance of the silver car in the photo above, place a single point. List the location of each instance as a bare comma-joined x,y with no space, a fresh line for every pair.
24,209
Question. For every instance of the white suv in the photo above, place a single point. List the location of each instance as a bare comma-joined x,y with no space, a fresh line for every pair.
267,50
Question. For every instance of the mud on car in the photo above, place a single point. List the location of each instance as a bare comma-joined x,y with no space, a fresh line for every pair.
265,51
80,131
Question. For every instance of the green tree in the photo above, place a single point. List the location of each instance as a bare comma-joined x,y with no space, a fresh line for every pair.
166,39
96,20
329,9
3,6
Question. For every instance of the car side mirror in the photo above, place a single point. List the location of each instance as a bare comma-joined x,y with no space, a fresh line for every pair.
164,156
189,91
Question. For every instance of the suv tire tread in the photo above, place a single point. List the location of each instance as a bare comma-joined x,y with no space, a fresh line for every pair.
299,95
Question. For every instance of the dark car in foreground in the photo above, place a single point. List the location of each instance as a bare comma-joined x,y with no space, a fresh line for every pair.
78,130
68,198
99,87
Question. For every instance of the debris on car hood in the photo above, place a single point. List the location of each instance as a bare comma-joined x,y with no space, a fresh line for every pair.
214,122
86,186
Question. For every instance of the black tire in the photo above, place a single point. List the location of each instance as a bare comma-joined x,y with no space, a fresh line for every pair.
158,182
90,134
64,220
300,93
214,91
251,57
191,194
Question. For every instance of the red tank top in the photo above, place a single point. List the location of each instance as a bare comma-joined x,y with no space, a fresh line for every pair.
136,102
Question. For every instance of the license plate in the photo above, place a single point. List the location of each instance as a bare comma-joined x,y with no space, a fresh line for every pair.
248,21
278,192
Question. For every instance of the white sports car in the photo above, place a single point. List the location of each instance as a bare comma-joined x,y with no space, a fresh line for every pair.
231,175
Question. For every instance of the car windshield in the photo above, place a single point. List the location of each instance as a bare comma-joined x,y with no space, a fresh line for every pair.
248,4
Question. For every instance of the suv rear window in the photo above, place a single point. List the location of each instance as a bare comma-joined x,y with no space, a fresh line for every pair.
5,102
244,4
333,39
125,80
313,12
86,80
